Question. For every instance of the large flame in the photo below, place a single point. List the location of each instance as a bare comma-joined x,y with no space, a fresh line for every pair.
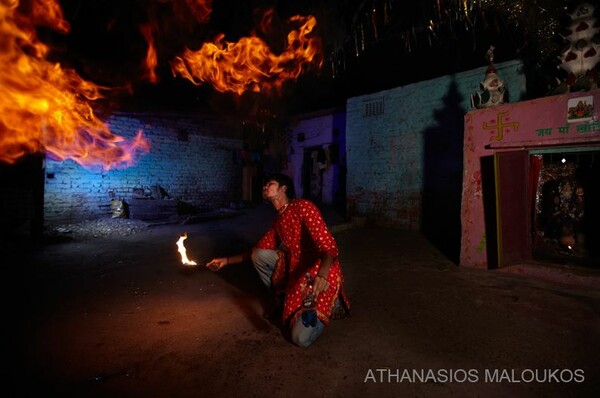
249,64
45,108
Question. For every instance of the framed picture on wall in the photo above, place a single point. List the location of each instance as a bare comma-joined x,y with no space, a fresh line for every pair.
580,109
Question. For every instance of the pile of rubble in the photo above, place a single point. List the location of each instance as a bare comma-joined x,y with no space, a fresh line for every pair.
99,228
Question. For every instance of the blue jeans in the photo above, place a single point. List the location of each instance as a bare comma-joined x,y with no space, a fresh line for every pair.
264,262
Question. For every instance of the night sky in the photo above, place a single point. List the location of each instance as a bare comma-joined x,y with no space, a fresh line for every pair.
106,47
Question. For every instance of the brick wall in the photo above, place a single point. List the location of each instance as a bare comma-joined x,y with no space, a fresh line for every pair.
191,159
404,148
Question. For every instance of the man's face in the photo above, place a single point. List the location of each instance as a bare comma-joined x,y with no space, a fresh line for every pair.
272,190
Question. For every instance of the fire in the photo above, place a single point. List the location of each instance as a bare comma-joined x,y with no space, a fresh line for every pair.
45,108
182,250
151,56
183,14
249,64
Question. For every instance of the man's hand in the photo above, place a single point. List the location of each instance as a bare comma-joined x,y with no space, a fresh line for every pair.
217,263
320,285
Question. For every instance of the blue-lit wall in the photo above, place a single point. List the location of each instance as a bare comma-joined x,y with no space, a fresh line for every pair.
405,152
387,152
192,160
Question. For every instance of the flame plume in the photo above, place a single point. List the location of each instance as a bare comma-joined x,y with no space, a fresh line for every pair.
249,64
44,107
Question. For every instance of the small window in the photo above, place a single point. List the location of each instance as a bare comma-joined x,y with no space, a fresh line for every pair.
374,107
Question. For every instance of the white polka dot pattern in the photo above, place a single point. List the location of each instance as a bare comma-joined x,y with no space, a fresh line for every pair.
304,236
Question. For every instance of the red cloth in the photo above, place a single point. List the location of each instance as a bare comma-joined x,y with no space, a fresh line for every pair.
304,236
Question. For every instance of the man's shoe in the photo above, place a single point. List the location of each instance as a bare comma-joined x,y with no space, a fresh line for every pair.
339,312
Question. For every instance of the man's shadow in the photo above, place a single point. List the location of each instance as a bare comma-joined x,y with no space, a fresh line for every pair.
243,277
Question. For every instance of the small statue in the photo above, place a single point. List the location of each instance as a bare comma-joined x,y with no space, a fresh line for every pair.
495,91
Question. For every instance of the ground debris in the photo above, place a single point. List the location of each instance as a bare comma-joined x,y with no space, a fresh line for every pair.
98,228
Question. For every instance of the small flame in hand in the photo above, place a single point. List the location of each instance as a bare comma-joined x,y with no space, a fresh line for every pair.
181,249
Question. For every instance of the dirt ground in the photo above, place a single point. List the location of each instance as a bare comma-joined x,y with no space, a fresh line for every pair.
117,315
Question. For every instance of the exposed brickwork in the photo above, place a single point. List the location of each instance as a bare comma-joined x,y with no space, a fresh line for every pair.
386,148
200,170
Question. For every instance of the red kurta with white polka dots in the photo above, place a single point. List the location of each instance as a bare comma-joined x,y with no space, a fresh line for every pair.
301,236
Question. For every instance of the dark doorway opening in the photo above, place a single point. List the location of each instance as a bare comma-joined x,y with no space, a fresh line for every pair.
313,167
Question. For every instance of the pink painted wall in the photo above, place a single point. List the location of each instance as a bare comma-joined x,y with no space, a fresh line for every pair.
533,124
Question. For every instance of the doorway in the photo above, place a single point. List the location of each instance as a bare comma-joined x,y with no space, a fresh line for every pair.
566,216
313,168
543,205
